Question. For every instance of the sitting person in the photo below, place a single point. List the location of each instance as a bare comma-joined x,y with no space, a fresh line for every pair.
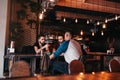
39,48
60,40
40,45
71,50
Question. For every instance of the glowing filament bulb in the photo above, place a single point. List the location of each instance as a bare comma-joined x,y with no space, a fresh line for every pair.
88,21
104,26
102,33
98,23
41,16
76,20
106,20
116,17
81,32
64,20
93,33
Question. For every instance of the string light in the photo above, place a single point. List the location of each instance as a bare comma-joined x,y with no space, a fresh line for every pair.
116,17
64,19
98,23
106,20
52,0
93,33
41,16
81,32
104,26
88,21
76,20
44,10
102,33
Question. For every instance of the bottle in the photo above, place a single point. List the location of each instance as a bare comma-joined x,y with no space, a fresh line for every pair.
41,53
12,47
12,44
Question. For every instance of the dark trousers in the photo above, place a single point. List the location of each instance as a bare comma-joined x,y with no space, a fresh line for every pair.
59,67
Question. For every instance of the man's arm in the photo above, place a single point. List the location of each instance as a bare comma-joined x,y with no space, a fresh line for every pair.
61,49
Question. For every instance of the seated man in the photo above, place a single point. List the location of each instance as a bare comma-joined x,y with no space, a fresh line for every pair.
60,40
71,50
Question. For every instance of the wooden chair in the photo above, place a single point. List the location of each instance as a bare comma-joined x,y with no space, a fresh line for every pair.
76,66
20,69
114,66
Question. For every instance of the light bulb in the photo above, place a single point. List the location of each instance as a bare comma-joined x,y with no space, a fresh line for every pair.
98,23
76,21
116,17
88,21
41,16
64,20
104,26
106,20
102,33
52,0
81,32
93,33
44,10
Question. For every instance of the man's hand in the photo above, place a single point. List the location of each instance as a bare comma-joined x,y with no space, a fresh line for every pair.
51,56
45,46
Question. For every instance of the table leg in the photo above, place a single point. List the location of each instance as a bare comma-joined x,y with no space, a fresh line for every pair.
102,63
11,62
33,65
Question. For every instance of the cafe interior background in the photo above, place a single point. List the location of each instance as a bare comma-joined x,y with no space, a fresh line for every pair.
91,21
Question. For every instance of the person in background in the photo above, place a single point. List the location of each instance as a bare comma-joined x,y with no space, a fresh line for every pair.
60,40
40,45
39,48
111,44
72,51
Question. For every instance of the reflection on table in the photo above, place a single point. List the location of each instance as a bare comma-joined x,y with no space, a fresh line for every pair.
80,76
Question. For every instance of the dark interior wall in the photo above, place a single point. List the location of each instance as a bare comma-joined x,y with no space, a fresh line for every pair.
102,46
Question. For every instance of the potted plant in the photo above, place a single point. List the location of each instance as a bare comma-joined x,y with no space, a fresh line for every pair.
15,30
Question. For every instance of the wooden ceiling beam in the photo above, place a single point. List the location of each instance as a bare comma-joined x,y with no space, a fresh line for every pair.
61,14
104,3
88,6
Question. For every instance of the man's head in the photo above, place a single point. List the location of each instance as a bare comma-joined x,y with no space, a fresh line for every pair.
68,35
41,39
60,38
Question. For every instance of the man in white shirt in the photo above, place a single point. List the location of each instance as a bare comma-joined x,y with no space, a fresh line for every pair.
72,51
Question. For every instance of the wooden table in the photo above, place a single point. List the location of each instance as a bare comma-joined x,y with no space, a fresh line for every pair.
101,54
80,76
16,57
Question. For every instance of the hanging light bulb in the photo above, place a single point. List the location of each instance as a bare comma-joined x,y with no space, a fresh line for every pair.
64,19
116,17
104,26
52,0
93,33
81,32
106,20
102,33
88,21
44,10
76,20
41,16
98,23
